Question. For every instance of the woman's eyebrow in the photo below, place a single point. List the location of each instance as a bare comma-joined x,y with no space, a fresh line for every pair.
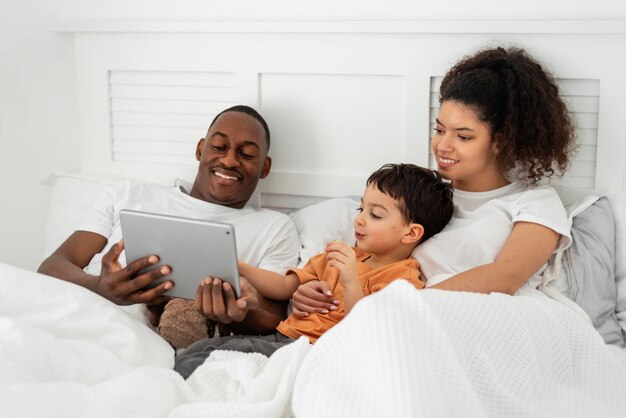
457,129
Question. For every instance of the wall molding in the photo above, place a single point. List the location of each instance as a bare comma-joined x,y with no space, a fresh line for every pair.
343,26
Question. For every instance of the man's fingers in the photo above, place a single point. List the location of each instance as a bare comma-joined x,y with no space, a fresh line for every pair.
205,303
135,282
236,309
217,297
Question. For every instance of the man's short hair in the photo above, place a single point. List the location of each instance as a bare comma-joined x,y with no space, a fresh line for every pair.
248,111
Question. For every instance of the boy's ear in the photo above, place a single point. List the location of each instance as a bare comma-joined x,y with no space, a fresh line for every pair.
414,234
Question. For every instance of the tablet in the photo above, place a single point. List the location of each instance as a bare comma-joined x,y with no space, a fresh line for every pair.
193,248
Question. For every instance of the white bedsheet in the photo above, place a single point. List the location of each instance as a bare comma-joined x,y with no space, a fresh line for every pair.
65,352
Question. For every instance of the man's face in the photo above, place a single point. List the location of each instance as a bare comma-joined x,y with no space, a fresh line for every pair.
233,157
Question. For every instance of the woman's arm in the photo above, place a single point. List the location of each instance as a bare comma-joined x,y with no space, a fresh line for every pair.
270,284
528,247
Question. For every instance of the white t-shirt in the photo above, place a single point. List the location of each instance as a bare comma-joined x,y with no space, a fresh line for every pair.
265,238
481,224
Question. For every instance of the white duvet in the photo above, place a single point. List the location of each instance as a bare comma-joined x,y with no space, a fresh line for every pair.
66,352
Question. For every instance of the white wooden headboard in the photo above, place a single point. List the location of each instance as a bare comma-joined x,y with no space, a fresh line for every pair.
341,98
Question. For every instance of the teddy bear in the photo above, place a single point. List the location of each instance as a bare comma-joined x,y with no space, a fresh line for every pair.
181,325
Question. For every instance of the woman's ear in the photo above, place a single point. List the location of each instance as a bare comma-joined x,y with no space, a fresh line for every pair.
495,142
414,234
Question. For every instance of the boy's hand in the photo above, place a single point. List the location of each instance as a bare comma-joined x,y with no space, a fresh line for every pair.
341,256
215,299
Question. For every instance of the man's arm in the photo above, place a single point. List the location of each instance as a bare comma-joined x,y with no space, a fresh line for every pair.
69,260
119,284
250,314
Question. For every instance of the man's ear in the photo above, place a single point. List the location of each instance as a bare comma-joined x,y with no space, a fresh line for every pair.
199,148
414,234
267,165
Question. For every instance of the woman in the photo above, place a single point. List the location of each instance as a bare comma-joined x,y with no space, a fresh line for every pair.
501,128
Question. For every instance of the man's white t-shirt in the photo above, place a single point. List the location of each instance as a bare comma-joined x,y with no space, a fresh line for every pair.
265,238
481,224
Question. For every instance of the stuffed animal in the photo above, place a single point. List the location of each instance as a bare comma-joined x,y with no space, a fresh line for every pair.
181,325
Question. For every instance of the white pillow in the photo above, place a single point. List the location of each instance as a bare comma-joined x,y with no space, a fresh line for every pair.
331,219
618,203
72,196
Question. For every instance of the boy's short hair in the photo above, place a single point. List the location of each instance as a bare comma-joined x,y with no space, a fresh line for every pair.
424,197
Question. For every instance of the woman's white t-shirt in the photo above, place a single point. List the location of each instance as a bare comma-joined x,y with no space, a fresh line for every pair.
481,224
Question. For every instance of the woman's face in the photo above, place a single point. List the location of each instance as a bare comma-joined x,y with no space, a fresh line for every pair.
465,150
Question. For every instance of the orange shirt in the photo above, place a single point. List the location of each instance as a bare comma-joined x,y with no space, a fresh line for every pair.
372,281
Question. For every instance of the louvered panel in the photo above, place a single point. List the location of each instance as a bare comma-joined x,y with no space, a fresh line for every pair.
217,94
154,133
144,158
158,116
160,119
165,148
168,106
173,78
582,98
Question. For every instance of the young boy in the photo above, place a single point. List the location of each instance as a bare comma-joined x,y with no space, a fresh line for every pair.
402,205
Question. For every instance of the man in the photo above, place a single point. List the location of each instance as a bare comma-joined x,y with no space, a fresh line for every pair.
232,158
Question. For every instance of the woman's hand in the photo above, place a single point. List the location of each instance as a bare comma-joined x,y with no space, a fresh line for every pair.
313,297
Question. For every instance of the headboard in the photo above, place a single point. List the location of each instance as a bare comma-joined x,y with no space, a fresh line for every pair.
341,98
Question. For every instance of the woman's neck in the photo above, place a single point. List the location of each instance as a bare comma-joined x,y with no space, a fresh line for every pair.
483,185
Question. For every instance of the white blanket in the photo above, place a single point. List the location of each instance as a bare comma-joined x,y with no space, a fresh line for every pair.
65,352
407,353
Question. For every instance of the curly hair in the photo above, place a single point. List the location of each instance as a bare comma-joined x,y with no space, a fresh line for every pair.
423,196
519,101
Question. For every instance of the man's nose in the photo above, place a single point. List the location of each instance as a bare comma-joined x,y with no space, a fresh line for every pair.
229,159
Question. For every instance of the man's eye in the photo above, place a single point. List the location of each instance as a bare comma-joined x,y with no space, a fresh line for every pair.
247,156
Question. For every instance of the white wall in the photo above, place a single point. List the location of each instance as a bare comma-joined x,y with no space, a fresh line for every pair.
38,114
37,117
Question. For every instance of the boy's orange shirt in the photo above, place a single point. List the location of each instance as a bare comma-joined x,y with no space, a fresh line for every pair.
372,281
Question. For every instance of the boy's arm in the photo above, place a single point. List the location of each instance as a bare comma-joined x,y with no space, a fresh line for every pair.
268,283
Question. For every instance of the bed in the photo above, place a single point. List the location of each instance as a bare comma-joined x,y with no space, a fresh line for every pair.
65,351
554,352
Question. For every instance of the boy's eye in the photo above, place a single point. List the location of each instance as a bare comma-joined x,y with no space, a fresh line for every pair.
373,215
438,131
359,210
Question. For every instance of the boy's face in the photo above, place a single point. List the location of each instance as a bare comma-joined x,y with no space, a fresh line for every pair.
380,225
